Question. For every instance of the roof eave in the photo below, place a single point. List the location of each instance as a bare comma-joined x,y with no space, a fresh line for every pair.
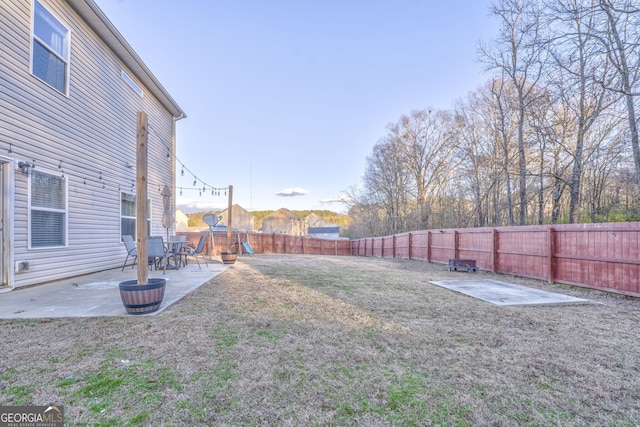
99,22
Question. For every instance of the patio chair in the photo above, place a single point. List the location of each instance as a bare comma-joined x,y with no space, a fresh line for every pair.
130,245
198,251
157,255
176,250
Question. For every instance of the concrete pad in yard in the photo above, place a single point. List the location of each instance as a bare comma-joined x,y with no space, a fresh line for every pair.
502,293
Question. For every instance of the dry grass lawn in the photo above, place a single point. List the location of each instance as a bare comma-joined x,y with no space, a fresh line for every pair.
310,340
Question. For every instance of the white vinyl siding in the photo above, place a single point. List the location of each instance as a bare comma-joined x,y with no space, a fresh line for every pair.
131,83
88,136
47,210
50,49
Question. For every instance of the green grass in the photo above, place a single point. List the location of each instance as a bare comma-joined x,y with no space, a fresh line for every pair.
117,386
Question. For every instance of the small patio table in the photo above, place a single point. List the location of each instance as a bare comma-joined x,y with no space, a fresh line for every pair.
175,249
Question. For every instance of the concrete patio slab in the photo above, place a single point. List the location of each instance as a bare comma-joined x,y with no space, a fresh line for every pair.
98,294
502,293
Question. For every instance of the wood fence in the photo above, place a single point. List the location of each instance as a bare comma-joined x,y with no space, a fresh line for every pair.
270,243
599,256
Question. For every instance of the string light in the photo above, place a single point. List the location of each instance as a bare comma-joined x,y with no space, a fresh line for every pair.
107,178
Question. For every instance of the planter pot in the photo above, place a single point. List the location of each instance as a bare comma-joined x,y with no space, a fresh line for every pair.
229,257
142,299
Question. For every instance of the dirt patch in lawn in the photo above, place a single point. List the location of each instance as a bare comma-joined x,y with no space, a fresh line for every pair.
313,340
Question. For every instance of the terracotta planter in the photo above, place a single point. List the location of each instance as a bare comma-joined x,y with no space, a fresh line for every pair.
229,257
142,299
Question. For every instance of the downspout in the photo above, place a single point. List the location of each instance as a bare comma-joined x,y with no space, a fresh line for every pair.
181,116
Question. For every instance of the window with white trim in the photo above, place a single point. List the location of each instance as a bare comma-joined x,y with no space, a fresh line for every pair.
128,215
50,49
47,210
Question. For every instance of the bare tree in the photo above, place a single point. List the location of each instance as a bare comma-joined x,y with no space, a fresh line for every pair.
517,54
620,37
387,183
482,167
424,139
581,69
504,125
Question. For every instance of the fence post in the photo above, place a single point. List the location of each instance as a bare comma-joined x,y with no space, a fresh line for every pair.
410,245
393,251
494,250
382,247
551,248
428,245
456,240
335,245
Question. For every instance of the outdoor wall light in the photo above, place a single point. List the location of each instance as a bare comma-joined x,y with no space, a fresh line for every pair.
24,167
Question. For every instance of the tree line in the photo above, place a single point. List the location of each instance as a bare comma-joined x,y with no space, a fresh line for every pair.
551,137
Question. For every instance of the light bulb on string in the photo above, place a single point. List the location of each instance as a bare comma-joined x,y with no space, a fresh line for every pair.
182,171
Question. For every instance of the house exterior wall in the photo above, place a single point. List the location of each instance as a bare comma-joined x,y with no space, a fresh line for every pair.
290,226
88,137
182,222
241,220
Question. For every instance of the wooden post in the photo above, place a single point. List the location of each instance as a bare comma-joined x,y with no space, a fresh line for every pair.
229,216
429,246
393,250
410,245
142,137
551,248
494,250
456,240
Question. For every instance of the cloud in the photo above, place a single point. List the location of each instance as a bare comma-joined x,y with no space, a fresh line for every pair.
337,199
291,192
191,206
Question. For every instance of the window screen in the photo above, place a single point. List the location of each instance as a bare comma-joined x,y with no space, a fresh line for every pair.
50,56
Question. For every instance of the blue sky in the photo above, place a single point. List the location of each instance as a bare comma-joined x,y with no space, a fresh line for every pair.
285,99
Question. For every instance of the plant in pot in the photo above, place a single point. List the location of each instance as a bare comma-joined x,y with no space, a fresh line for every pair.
145,294
229,257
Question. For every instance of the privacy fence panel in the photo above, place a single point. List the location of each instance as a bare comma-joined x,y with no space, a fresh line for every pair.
599,256
269,243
